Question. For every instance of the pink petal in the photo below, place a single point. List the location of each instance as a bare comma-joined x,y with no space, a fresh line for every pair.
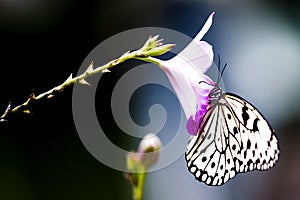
192,126
187,69
182,87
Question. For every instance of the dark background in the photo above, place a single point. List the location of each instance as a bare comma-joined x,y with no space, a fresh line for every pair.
42,42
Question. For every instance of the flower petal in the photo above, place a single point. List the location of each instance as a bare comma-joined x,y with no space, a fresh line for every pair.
182,86
186,70
198,54
205,28
192,126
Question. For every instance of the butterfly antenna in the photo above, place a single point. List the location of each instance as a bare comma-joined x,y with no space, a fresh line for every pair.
220,74
205,82
223,69
219,67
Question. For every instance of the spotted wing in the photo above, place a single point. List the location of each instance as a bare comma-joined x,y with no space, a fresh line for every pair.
234,137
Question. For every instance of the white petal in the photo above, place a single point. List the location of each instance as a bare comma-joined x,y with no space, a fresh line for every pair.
205,28
199,55
150,141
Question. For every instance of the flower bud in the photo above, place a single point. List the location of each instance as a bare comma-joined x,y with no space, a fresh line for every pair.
157,51
151,43
147,154
148,150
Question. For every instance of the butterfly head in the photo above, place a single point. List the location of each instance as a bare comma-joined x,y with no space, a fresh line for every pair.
215,94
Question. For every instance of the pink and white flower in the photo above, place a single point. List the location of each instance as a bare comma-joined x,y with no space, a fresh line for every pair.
185,71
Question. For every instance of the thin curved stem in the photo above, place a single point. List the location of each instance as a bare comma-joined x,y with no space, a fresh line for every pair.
152,47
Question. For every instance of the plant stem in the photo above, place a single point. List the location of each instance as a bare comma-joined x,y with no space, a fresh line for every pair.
138,189
140,54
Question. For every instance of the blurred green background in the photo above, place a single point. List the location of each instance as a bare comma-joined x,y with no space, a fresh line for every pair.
42,42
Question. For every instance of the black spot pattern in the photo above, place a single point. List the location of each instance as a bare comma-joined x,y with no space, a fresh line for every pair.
235,130
209,136
255,128
248,144
233,147
239,140
213,165
245,154
245,115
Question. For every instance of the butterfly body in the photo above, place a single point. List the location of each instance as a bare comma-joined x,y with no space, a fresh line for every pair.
233,137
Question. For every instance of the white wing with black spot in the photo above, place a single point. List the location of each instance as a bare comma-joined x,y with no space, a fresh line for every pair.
234,137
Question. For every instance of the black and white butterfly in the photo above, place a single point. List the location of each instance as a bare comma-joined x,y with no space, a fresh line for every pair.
233,137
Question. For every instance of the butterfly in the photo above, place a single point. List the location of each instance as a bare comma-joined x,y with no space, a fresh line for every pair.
233,137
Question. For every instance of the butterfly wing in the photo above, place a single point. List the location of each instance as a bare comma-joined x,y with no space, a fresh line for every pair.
234,137
260,144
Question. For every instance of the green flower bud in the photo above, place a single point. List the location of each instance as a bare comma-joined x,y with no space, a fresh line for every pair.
157,51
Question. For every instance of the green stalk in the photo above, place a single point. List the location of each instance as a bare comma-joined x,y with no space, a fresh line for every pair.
144,54
139,188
